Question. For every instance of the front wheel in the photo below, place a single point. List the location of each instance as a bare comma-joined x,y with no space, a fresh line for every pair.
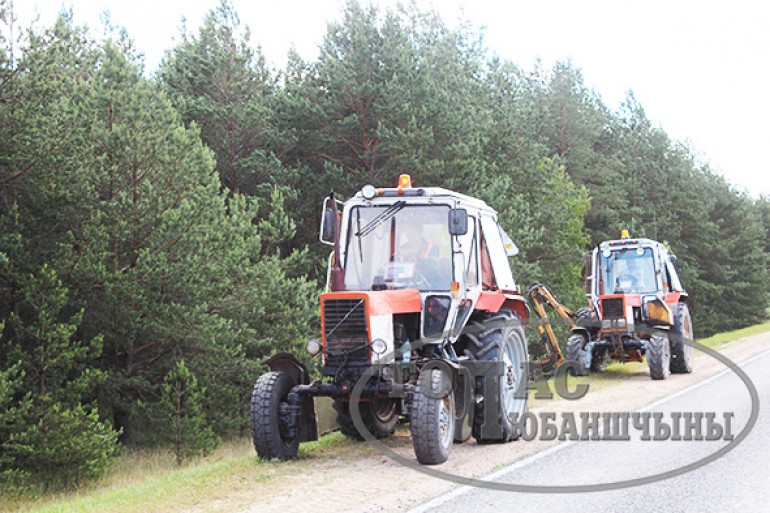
599,360
659,356
270,417
575,353
682,350
432,419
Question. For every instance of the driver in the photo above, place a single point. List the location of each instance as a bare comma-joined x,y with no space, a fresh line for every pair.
415,247
423,253
632,277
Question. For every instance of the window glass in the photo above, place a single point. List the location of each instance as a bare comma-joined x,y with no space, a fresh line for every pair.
629,271
398,246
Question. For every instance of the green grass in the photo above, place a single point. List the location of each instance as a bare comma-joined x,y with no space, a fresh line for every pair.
150,481
721,339
145,481
616,373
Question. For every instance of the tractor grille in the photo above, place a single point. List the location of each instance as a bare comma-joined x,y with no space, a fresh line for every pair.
345,331
613,308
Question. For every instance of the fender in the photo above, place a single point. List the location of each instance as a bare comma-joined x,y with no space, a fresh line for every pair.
461,382
289,364
582,330
493,301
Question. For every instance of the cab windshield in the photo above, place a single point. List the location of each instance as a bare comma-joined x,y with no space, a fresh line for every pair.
398,246
628,271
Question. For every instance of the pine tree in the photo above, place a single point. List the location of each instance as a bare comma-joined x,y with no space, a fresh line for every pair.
182,402
218,82
126,206
51,432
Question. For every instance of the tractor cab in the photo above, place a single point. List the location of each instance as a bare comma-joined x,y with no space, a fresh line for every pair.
628,270
420,261
398,247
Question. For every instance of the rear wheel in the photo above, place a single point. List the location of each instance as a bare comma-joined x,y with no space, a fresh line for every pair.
269,417
432,418
500,337
380,417
659,356
682,350
575,353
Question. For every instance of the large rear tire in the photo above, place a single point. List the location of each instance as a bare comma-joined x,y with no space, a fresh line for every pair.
659,356
380,416
268,429
682,350
575,351
433,419
586,318
500,337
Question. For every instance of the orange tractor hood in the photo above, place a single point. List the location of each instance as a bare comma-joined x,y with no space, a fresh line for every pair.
383,302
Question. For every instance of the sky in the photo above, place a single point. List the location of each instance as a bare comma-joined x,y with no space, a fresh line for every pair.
699,68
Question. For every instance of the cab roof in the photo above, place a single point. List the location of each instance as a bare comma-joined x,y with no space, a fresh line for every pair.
631,241
416,194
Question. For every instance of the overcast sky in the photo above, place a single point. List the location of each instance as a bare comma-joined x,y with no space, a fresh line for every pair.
700,69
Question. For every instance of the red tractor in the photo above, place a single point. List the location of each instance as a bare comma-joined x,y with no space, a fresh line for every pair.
638,309
422,320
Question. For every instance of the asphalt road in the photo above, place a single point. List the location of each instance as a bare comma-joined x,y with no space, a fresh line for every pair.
738,481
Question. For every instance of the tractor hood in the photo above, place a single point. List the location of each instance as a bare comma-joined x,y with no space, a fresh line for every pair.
382,302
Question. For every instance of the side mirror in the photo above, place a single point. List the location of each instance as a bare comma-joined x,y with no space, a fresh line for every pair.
327,226
458,221
672,258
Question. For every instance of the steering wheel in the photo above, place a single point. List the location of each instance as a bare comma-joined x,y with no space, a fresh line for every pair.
421,281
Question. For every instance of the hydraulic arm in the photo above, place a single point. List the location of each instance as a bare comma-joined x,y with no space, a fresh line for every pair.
540,295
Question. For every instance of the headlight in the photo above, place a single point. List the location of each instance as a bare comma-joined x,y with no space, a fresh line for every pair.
368,192
658,312
379,346
436,313
313,347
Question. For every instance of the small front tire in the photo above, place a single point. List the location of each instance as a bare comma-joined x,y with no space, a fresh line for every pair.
599,360
268,426
659,356
575,351
432,419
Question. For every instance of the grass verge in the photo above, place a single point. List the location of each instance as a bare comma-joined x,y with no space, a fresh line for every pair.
150,481
721,339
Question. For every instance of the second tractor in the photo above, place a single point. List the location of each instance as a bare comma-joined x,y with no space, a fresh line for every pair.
638,308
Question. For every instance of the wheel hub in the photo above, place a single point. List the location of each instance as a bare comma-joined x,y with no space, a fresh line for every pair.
444,422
